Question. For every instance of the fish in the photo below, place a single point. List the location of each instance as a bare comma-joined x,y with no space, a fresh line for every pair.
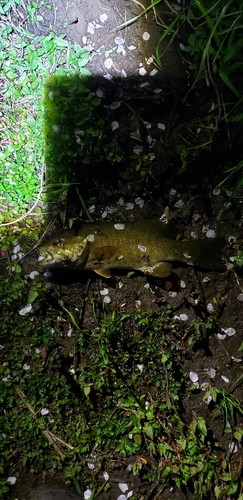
142,246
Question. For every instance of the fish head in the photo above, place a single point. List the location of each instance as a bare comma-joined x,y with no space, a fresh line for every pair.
64,251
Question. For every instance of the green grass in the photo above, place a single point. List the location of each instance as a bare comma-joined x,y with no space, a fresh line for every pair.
124,399
26,64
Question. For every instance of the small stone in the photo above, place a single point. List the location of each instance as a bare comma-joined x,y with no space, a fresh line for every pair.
153,72
182,284
240,297
142,71
120,257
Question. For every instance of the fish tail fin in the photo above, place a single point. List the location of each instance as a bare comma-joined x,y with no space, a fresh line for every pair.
206,254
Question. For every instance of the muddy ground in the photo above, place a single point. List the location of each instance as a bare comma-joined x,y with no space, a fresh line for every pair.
124,71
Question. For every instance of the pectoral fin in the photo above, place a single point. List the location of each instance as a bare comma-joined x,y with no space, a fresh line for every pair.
105,273
160,270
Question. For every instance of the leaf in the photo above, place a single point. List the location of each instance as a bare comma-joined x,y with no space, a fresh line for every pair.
33,294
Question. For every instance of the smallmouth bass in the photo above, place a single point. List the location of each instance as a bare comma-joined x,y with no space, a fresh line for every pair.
142,246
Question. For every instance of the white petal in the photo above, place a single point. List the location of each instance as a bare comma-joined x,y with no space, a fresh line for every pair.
233,447
142,248
44,411
153,72
140,367
87,494
193,376
105,476
161,126
129,206
26,367
230,332
107,299
108,63
114,125
211,372
119,40
142,71
179,204
90,237
146,36
225,379
91,466
119,227
123,487
131,47
11,480
221,336
105,291
25,310
216,192
103,18
33,274
183,317
210,233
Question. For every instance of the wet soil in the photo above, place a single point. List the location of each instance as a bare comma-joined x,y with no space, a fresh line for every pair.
124,71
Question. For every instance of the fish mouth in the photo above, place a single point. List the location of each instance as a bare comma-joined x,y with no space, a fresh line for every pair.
46,258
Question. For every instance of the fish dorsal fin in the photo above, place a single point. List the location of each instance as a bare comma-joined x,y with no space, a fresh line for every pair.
105,273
